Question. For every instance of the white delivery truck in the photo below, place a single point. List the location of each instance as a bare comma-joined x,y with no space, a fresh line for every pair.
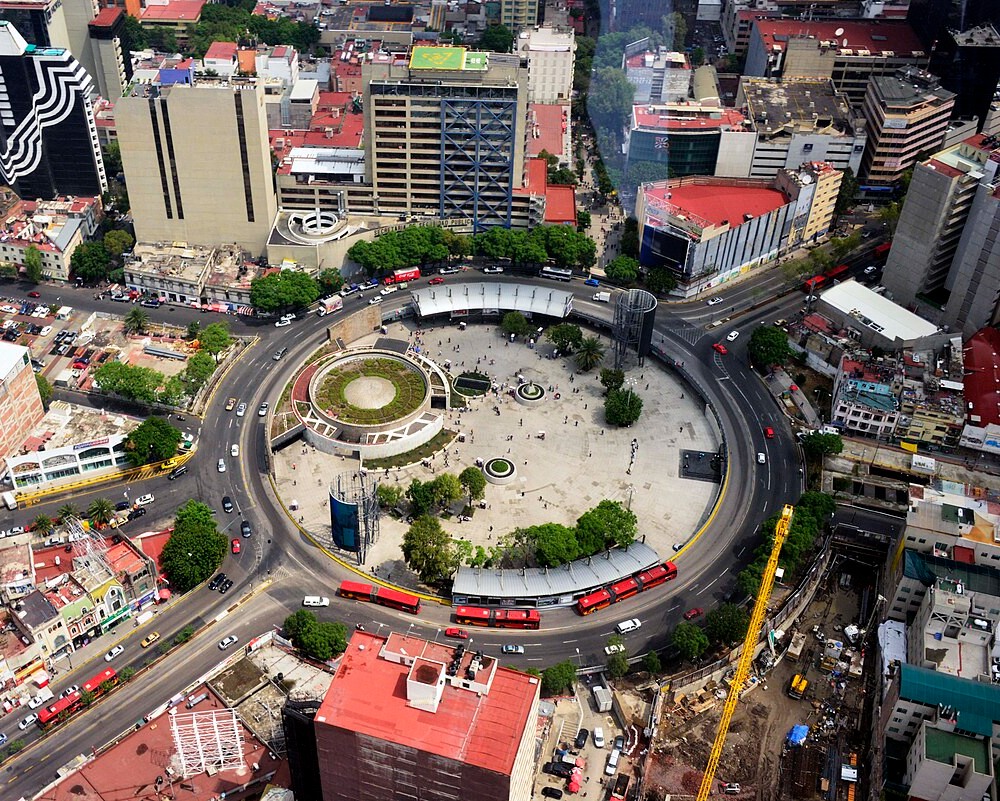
602,297
10,500
330,305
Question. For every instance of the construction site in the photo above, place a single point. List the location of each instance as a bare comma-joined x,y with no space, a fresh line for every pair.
802,722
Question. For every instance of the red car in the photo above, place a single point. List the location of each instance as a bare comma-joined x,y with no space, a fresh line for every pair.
34,294
460,633
236,546
437,279
769,432
691,614
719,348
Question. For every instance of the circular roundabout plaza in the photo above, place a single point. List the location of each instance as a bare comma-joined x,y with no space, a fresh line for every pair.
414,402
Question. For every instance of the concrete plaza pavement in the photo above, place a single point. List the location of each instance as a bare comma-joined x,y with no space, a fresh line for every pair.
580,462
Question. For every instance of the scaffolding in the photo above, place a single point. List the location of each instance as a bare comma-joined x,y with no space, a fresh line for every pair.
354,512
635,313
90,550
204,741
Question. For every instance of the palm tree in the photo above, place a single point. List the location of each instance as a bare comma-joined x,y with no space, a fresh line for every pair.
101,510
66,511
589,354
42,524
136,321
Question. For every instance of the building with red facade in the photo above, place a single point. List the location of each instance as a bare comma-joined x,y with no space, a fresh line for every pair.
408,718
20,404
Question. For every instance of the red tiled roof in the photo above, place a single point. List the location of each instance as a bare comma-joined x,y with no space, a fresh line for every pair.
151,544
718,201
222,51
176,11
945,169
368,696
982,376
549,123
560,205
897,37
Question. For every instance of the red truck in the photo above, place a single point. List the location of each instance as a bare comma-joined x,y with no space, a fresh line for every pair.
401,276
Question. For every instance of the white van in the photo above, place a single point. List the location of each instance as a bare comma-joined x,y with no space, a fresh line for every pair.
612,765
599,737
315,600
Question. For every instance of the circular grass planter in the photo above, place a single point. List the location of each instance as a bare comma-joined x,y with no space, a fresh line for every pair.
408,391
530,394
499,471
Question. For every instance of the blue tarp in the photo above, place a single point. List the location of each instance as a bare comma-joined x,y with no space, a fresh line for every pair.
797,734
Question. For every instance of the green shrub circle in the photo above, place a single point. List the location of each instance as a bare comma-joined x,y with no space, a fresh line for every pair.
499,467
408,383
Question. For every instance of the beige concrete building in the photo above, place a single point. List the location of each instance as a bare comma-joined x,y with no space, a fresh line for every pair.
826,181
517,14
906,115
219,192
445,133
20,404
551,55
191,274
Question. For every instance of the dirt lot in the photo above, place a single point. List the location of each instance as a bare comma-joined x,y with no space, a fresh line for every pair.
753,754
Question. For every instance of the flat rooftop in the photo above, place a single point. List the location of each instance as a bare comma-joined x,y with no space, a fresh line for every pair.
546,125
10,357
368,695
424,57
687,116
943,746
909,90
66,424
795,105
717,202
877,37
873,311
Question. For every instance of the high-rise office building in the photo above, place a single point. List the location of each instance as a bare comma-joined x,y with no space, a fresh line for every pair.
198,163
906,115
20,404
516,14
55,23
110,67
48,137
445,133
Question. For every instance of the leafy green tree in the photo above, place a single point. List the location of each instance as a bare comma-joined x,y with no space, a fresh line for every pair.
622,407
297,623
557,678
697,57
630,238
848,191
611,379
117,242
817,444
690,640
215,338
675,31
421,495
445,489
65,512
889,216
651,662
769,346
44,389
42,524
128,381
618,664
565,336
389,495
199,367
583,220
195,549
609,100
323,641
727,624
623,269
193,328
175,390
283,289
153,440
589,354
555,544
100,511
498,38
33,264
607,524
473,482
136,321
330,281
91,261
112,153
515,323
820,505
8,270
14,746
645,172
428,550
660,281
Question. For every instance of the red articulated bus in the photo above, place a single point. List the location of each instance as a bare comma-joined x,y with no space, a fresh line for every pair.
399,276
881,252
814,283
834,273
60,710
626,588
383,596
498,618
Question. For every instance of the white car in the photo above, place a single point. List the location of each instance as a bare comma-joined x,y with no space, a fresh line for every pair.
235,450
732,336
628,625
761,458
224,644
262,410
222,465
45,331
868,270
116,651
144,500
494,270
715,301
282,323
616,648
28,720
35,701
376,300
389,290
241,410
288,317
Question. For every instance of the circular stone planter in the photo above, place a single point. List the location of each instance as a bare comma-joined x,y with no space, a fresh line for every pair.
499,471
530,394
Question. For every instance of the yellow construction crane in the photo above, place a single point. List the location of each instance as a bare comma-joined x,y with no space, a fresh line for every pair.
743,668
